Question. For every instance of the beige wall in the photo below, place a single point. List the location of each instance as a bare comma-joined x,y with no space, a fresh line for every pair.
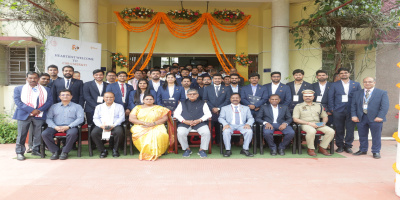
7,104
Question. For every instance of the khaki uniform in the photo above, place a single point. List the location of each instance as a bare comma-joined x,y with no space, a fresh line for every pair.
313,114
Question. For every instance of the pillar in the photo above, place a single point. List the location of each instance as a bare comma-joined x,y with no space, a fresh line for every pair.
88,20
242,47
280,37
122,43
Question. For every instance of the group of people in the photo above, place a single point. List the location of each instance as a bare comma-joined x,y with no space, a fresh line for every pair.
193,95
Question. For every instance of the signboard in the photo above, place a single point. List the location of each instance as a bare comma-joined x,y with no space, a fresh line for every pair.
83,56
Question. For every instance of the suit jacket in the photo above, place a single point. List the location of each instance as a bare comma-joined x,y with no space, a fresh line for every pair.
211,98
90,94
260,92
22,112
378,104
201,92
304,86
76,86
115,88
335,96
266,115
179,95
226,115
283,91
239,89
51,81
317,91
151,85
131,103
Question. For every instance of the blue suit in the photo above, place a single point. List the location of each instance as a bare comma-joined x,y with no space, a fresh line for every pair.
152,87
304,86
52,81
131,103
163,94
261,91
22,111
378,106
90,94
324,100
335,96
116,89
76,87
283,91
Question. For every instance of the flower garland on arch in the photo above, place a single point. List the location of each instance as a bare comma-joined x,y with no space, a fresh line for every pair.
138,12
184,14
228,15
120,60
242,59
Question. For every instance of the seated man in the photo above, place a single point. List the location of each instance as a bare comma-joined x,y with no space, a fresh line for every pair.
276,117
236,117
107,117
192,113
63,117
308,114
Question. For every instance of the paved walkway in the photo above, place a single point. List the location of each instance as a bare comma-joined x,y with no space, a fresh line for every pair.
315,178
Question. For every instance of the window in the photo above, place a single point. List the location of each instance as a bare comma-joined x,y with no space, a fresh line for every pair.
328,63
22,60
169,60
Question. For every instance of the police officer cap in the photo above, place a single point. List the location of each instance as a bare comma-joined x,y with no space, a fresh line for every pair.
308,93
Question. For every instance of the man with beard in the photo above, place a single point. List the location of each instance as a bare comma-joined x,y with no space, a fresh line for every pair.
163,73
321,89
138,75
121,91
235,83
93,93
53,72
296,88
227,80
186,83
76,86
155,81
111,76
241,80
282,90
201,69
206,82
195,73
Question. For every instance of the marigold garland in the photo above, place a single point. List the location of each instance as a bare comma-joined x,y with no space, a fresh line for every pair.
228,15
120,60
184,14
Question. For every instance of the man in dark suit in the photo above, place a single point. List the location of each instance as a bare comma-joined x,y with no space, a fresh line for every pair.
44,80
53,72
235,83
339,104
155,81
121,91
296,88
206,82
93,93
276,117
217,96
368,109
321,89
76,86
276,87
241,79
254,95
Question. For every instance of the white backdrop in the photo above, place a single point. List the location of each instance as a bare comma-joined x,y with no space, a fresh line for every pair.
83,56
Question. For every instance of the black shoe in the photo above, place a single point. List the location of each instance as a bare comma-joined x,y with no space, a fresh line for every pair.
74,147
54,156
348,150
339,149
359,153
376,155
35,153
273,152
281,152
103,154
246,152
63,156
20,157
227,153
115,153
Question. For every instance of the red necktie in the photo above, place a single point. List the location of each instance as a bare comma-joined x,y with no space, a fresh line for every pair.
122,89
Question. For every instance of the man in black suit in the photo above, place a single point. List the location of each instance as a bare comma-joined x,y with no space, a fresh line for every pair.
93,92
53,72
296,88
321,89
44,79
241,79
235,78
76,86
206,82
155,81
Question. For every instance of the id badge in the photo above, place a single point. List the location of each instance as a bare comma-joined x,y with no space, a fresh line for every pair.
345,98
365,106
319,98
99,99
295,97
171,99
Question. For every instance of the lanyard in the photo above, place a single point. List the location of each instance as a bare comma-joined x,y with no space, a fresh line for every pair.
365,99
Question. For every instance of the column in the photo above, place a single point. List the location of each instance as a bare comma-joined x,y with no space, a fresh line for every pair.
88,20
122,43
242,47
280,37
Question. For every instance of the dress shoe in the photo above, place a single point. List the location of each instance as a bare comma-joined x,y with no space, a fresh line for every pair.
63,156
227,153
115,153
339,149
376,155
29,150
103,154
311,152
359,153
246,152
273,152
74,147
54,156
348,150
36,153
324,151
281,152
20,157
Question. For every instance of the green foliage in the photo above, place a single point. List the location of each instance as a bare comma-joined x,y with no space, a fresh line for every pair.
8,129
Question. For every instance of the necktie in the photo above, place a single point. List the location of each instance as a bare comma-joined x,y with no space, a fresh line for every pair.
237,117
367,94
68,84
216,90
365,101
122,89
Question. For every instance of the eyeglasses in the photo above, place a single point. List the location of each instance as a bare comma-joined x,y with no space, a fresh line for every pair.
192,94
163,72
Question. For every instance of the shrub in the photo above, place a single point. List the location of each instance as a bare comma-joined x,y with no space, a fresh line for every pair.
8,129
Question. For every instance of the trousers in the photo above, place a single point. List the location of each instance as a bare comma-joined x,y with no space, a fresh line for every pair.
247,135
310,136
116,132
204,132
376,130
48,138
288,134
342,122
23,127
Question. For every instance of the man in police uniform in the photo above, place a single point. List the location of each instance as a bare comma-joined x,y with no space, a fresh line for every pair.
308,114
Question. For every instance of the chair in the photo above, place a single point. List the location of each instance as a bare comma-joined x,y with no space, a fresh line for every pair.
238,133
191,133
90,128
278,134
60,136
318,135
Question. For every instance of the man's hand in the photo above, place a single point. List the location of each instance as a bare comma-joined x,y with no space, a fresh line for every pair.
257,109
226,127
269,126
63,129
127,112
329,113
35,112
378,119
215,110
355,119
246,126
195,122
282,126
58,129
312,124
188,122
252,107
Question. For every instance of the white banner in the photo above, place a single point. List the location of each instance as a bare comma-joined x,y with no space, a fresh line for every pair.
83,56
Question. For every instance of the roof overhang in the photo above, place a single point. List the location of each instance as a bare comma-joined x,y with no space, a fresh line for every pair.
15,41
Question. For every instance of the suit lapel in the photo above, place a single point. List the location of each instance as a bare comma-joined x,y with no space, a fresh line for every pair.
104,88
95,88
341,86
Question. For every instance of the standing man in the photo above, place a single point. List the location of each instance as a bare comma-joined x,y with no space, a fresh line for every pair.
138,75
76,86
276,117
217,96
297,87
227,80
276,87
339,104
77,75
236,117
121,91
254,95
163,72
63,117
206,82
44,80
235,83
241,79
155,81
186,83
32,101
53,72
111,77
321,89
93,93
369,108
195,73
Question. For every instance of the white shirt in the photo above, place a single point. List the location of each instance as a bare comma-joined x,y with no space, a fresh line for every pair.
178,113
124,94
186,92
322,88
233,113
163,79
99,87
275,112
346,87
215,87
171,91
370,91
66,81
274,87
235,89
156,85
141,97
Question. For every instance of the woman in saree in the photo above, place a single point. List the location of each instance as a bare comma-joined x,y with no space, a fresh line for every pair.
149,134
